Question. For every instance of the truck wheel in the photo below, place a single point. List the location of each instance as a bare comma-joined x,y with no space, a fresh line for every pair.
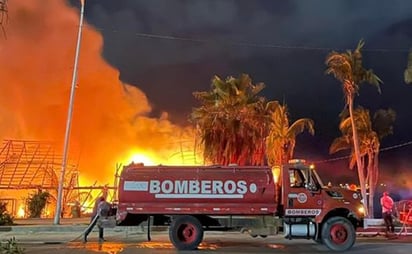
338,234
186,232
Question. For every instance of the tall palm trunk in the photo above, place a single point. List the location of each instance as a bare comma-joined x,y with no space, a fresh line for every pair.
373,180
356,147
370,179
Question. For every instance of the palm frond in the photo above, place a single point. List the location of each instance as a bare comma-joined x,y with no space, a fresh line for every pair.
301,125
348,69
232,121
383,121
340,144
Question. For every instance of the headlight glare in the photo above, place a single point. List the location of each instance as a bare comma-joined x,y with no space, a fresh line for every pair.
361,210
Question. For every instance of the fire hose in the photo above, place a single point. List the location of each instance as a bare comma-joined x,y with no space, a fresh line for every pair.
94,221
88,228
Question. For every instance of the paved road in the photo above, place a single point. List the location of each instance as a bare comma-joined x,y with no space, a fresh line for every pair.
40,236
213,243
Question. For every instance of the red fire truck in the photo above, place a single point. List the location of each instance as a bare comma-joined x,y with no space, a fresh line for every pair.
261,201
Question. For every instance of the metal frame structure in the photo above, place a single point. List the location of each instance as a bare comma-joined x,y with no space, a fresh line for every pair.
187,152
33,165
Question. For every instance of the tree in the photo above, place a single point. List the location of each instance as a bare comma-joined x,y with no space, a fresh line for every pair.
36,203
408,70
382,124
232,121
368,148
5,217
281,140
383,121
370,135
348,68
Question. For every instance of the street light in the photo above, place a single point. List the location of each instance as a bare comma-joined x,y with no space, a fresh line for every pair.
69,121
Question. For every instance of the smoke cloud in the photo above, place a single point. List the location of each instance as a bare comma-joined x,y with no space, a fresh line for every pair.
109,118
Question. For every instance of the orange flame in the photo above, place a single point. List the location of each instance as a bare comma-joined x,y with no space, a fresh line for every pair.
21,213
109,117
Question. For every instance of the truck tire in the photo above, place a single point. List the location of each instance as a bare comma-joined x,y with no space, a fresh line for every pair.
338,234
186,232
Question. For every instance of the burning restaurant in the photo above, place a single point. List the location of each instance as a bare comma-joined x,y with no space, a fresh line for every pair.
110,122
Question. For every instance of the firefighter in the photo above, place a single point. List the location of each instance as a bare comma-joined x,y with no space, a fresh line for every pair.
101,208
387,206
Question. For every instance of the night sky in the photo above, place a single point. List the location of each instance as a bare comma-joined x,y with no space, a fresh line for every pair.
171,48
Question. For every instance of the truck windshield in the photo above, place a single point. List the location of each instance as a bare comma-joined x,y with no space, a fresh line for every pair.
316,178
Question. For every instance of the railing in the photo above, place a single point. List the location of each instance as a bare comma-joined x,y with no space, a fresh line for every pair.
403,211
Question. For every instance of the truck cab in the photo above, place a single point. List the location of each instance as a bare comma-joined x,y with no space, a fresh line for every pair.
329,215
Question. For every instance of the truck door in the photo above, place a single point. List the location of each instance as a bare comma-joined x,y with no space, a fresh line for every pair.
300,201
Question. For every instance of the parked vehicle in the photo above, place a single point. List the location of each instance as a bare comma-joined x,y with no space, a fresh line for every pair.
261,201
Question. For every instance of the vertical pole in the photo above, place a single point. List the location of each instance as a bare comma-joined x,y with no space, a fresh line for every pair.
68,123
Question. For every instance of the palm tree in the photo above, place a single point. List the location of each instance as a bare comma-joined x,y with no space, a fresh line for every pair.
370,134
281,140
383,121
368,147
232,121
408,70
382,124
347,67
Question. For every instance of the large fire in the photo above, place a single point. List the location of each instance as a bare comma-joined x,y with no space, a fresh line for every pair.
109,124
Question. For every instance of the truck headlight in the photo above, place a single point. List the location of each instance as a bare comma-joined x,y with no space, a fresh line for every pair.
361,210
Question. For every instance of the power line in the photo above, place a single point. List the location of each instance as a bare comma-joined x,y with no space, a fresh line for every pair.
380,150
395,146
246,44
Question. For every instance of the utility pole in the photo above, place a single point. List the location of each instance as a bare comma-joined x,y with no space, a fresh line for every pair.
59,203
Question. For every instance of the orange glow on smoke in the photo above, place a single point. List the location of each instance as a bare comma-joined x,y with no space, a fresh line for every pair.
109,117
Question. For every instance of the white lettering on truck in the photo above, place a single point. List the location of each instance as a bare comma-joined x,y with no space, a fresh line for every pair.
194,188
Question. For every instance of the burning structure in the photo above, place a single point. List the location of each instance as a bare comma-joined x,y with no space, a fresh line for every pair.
32,166
110,118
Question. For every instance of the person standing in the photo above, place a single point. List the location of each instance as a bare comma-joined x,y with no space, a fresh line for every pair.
100,207
387,206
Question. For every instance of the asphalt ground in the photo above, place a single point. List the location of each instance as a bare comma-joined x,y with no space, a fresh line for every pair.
71,230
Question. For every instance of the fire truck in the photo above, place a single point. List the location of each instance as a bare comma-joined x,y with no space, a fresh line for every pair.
260,201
